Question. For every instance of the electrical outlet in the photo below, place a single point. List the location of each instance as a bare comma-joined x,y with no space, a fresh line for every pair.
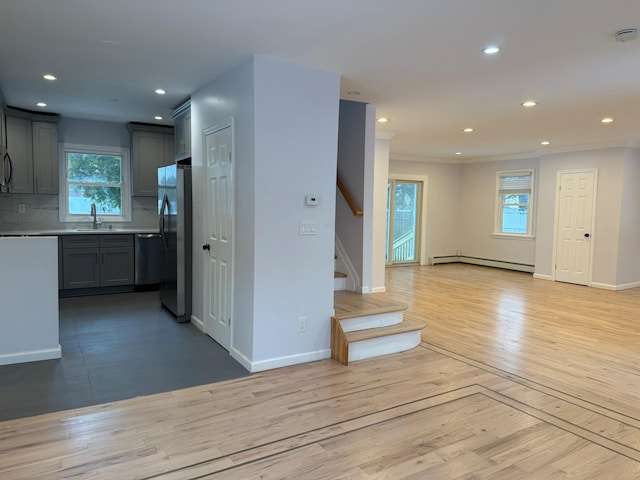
302,324
22,208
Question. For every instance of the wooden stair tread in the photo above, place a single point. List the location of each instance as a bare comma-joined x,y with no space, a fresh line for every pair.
353,305
339,275
407,325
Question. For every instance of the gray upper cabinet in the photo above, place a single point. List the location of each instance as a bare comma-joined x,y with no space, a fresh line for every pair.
45,157
151,149
182,122
20,148
33,147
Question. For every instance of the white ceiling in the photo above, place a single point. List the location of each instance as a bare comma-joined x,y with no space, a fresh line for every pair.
419,61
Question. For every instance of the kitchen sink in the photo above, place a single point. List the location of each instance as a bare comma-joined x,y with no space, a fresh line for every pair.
97,230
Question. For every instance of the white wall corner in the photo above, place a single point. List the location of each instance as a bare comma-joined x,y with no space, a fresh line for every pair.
369,200
240,358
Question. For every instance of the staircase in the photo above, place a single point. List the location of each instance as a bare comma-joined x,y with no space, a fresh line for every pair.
366,326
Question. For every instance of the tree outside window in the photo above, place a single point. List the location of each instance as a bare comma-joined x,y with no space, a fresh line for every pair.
95,175
94,179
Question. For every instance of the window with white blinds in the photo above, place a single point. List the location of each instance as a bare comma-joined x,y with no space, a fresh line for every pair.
514,200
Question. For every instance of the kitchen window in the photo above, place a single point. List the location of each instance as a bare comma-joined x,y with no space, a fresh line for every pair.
513,205
94,175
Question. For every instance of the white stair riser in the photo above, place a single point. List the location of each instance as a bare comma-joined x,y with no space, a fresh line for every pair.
339,284
371,321
376,347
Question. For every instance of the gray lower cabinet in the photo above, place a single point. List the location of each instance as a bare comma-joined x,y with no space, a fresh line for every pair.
97,260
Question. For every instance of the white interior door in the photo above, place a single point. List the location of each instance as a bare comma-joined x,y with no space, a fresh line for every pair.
575,226
219,242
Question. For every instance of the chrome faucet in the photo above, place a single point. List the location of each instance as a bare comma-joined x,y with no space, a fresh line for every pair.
93,214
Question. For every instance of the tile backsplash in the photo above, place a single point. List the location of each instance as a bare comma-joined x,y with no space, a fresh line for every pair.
41,213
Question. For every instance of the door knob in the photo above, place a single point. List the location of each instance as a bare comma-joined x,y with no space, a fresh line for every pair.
586,235
206,247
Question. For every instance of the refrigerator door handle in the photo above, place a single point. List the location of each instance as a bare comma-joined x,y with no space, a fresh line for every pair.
9,164
163,212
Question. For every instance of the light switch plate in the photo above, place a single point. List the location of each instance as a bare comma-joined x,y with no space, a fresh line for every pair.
307,228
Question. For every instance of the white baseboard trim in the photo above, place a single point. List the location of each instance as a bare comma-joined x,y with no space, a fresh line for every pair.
32,356
364,290
615,288
378,289
626,286
279,362
485,262
199,324
241,359
540,276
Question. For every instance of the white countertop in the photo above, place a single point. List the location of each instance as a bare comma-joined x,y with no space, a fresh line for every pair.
73,231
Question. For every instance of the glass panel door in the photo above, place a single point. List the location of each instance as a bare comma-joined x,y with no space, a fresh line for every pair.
403,219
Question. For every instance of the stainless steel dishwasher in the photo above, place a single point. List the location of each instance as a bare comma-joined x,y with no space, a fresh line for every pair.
147,270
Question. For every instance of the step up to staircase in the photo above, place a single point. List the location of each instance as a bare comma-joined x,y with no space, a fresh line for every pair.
365,326
339,281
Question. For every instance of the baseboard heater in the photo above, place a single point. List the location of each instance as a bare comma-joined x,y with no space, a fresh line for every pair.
486,262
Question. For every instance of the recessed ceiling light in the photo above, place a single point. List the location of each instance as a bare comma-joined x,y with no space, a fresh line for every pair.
383,120
160,91
468,130
353,92
545,142
607,120
50,77
41,104
529,104
458,153
491,50
158,117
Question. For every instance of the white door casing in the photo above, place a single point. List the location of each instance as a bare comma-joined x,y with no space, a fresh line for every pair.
219,238
575,209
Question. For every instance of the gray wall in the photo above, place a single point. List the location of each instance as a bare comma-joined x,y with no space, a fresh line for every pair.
477,215
286,130
461,209
352,138
443,225
605,237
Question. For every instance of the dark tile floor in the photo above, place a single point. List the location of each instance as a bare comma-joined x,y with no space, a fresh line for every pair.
114,347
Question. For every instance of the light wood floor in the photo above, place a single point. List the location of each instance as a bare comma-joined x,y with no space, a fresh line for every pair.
515,378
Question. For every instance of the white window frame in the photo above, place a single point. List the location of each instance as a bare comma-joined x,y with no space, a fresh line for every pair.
497,228
125,186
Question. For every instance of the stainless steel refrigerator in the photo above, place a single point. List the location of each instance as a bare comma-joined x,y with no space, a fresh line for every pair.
174,210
